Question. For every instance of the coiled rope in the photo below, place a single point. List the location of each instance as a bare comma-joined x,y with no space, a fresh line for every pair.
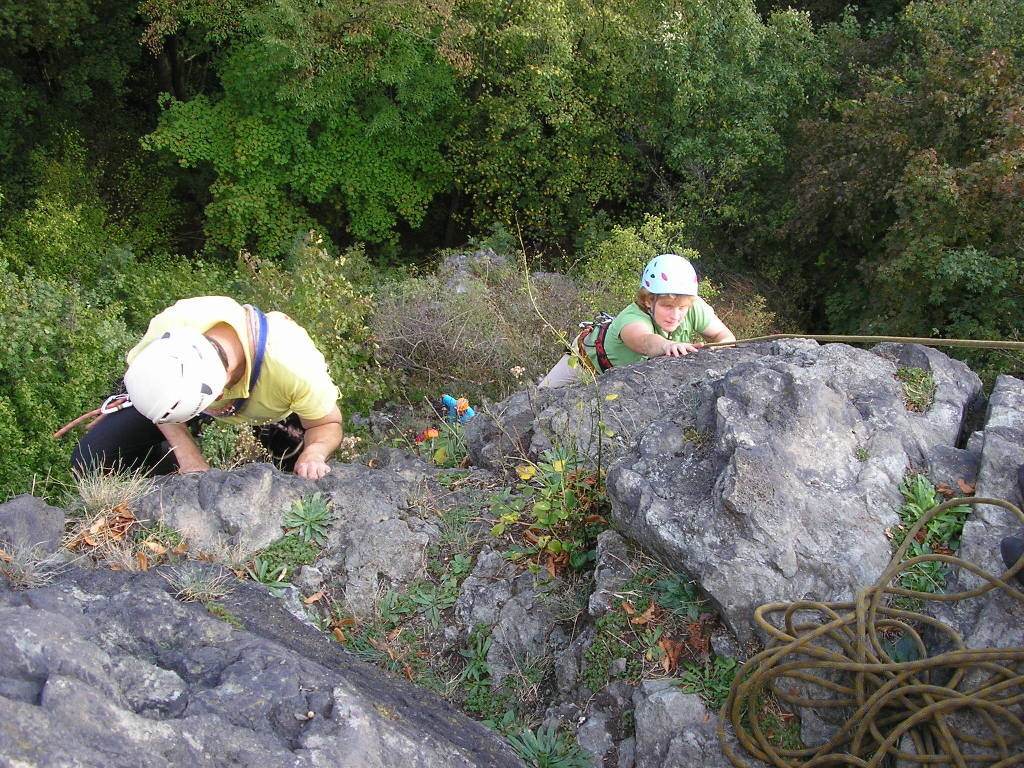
842,650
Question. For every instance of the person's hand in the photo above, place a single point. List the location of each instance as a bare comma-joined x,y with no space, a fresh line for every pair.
311,469
679,348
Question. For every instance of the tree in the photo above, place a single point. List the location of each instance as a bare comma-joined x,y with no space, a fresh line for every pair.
330,116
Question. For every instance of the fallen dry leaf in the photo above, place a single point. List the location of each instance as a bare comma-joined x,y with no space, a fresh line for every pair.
965,487
181,549
338,635
645,617
944,490
672,649
5,557
316,596
142,560
155,547
349,622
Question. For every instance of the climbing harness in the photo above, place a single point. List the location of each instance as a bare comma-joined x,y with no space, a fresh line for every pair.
894,696
587,327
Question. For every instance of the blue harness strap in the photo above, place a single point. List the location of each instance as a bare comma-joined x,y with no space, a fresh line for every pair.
258,340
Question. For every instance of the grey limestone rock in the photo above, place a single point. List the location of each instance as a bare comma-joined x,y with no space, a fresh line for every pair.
105,669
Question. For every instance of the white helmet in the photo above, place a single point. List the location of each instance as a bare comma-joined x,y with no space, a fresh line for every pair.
669,273
175,377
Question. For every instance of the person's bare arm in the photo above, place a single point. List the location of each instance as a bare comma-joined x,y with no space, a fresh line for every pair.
643,341
717,332
321,438
186,452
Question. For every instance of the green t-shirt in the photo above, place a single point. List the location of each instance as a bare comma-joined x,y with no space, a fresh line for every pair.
695,322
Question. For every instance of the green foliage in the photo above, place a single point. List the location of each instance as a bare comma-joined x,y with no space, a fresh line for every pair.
314,288
57,323
226,446
907,188
918,388
548,748
276,562
737,86
556,503
445,446
310,517
655,622
679,595
558,107
710,680
920,498
940,533
318,109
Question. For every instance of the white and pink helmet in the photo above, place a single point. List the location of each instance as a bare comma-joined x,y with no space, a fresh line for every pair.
669,273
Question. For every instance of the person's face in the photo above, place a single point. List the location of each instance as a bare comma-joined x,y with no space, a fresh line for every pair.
669,311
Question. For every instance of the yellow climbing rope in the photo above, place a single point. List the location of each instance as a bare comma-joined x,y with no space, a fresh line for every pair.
971,343
886,704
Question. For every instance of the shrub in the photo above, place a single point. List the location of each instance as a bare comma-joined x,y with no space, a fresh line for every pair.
58,348
482,340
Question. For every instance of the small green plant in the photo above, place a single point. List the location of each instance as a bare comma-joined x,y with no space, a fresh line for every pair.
309,518
222,613
700,437
679,595
265,572
556,506
862,454
444,446
711,680
197,584
926,576
548,748
920,498
918,388
941,534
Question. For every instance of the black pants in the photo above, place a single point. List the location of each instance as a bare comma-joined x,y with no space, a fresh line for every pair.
128,440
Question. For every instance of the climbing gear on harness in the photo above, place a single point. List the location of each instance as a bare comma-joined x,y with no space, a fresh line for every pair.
669,273
175,377
257,324
112,404
587,328
889,699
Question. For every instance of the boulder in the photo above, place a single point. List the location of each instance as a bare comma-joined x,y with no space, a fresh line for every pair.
106,669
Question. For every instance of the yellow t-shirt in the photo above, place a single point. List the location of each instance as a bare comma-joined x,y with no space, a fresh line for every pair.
294,376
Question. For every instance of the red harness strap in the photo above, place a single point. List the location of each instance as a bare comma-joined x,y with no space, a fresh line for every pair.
602,356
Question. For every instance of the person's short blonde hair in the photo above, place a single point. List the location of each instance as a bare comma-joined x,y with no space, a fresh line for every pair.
645,299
